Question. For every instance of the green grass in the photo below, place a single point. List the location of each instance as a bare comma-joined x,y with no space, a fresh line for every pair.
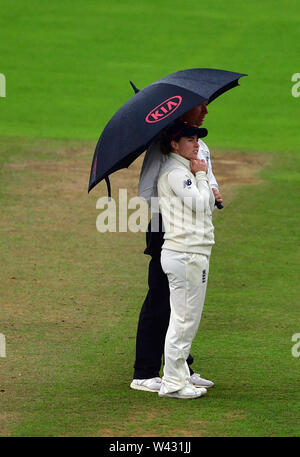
68,64
70,296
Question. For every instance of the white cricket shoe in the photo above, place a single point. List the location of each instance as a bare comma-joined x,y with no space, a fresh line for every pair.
197,381
149,385
187,392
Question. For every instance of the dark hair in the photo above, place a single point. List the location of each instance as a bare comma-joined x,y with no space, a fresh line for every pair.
165,142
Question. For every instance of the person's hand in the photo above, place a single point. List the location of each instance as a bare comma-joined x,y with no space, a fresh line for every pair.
198,165
217,194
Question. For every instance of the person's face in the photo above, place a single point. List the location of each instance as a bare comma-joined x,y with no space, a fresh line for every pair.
196,115
187,147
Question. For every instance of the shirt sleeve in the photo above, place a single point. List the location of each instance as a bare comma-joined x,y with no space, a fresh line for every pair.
150,171
194,195
212,180
205,153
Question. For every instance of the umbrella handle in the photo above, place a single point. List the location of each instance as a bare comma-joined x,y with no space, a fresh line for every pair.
218,205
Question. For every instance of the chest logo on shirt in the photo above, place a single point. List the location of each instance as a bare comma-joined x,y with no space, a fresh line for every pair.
187,183
164,109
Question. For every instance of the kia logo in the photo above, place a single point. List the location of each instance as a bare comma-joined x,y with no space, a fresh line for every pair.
164,110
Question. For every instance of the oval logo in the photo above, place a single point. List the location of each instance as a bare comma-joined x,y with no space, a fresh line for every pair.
164,110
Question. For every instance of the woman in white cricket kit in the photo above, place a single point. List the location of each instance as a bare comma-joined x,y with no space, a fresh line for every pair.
186,203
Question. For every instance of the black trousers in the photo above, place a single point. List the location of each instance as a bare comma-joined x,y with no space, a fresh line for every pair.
154,316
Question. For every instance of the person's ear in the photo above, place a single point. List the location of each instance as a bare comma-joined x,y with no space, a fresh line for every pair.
175,145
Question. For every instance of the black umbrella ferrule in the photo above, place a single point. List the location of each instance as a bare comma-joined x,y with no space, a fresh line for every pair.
136,90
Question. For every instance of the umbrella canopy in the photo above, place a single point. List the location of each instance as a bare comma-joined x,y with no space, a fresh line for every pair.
149,111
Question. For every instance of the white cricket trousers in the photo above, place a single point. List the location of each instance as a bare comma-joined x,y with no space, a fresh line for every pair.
187,275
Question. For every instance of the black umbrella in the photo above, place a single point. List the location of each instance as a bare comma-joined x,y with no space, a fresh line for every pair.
149,111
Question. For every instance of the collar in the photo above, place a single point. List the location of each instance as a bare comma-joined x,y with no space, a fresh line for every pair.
181,159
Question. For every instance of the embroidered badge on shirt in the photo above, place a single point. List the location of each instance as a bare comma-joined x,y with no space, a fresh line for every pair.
187,183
